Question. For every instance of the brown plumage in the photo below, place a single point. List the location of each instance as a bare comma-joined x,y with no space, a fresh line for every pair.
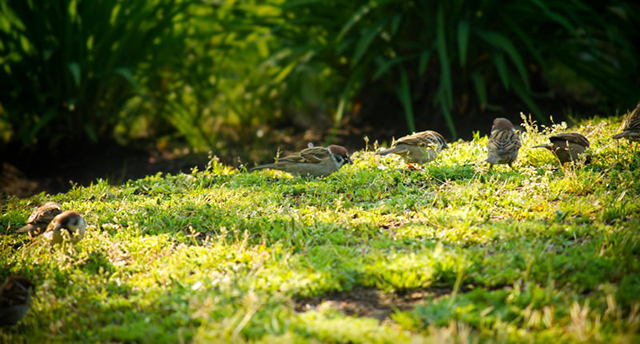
567,147
631,126
70,221
40,218
504,143
417,148
15,299
315,161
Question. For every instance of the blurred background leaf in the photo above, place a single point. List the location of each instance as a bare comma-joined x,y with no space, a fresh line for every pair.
226,75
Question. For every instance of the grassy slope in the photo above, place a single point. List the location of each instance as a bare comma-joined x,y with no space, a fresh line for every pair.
539,254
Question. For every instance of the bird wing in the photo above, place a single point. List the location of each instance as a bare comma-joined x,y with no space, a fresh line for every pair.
571,137
504,140
45,213
313,155
421,139
632,122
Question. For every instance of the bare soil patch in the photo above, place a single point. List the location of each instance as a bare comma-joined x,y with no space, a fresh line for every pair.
369,302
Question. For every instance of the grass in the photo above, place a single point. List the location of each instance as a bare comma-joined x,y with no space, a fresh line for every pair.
539,254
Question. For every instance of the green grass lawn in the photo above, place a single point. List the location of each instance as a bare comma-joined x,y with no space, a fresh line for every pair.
373,253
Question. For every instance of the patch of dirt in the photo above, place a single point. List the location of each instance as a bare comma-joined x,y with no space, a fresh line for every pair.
368,302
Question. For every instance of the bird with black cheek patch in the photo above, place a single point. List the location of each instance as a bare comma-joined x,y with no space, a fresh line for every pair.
417,148
40,218
15,299
631,126
504,143
567,147
314,161
70,222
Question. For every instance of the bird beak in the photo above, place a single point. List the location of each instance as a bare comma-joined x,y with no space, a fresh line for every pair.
349,161
542,146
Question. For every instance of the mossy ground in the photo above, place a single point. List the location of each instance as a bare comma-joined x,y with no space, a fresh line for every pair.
540,253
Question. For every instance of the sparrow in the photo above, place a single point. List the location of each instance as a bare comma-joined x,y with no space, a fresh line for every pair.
503,144
417,148
15,298
631,126
567,147
40,218
315,161
72,222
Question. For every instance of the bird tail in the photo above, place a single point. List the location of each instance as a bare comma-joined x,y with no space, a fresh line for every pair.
619,136
26,229
388,151
262,167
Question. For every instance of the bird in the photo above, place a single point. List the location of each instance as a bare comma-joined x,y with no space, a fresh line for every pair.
40,218
631,126
15,299
504,143
314,161
71,221
417,148
567,147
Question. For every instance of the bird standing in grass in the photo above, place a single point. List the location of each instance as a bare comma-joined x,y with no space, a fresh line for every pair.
315,161
631,126
417,148
567,147
70,222
40,218
504,143
15,298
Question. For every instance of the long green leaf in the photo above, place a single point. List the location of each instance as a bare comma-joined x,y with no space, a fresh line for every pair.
481,89
74,68
366,40
284,72
384,66
445,69
424,60
555,16
356,17
463,41
500,41
404,95
501,66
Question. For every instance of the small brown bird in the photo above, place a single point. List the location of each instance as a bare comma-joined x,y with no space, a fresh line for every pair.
631,126
417,148
72,222
504,143
567,147
15,298
40,218
315,161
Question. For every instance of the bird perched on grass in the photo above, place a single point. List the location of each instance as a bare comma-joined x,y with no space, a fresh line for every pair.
504,143
40,218
315,161
631,126
417,148
15,298
567,147
70,222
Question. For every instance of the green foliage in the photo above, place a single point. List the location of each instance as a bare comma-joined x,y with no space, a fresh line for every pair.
214,73
541,254
69,67
457,55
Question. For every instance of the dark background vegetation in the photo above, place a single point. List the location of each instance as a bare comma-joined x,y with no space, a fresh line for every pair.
84,84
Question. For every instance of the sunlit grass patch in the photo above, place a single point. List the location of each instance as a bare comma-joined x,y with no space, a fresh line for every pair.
541,252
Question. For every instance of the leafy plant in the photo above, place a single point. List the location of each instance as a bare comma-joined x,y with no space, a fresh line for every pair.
457,55
68,67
